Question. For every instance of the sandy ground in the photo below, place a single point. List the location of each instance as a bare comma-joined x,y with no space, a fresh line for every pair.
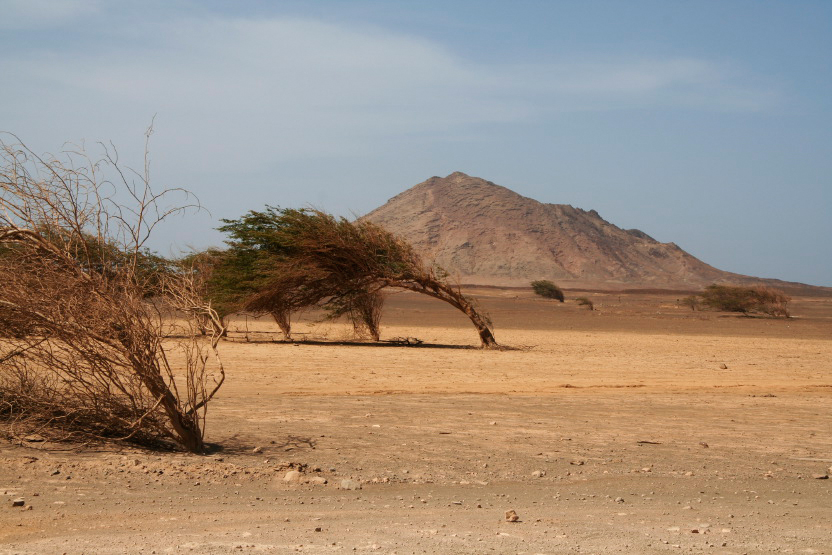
641,427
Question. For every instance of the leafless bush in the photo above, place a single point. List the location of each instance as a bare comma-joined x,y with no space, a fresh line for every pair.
584,301
83,349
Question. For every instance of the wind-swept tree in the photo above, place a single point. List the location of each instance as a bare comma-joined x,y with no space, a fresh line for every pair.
309,258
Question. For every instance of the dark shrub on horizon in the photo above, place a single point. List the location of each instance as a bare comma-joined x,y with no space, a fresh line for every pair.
547,289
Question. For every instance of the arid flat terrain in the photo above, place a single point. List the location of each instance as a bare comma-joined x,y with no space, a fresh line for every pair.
639,427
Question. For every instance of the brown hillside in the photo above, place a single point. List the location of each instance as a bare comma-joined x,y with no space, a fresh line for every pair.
487,234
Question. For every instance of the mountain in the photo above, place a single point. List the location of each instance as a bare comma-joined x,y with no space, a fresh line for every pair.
486,234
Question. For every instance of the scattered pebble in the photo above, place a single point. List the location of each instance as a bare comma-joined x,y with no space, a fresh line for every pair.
511,516
292,476
19,502
350,484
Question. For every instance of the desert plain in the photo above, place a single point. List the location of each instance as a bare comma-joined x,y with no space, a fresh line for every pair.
639,427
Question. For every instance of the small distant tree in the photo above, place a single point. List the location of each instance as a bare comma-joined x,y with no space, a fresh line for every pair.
547,289
691,301
584,301
745,300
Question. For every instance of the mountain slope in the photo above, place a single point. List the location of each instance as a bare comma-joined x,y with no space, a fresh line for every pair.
487,234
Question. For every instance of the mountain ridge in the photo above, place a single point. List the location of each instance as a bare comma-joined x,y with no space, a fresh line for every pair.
487,234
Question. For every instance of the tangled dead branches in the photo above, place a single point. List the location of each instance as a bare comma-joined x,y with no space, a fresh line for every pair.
82,322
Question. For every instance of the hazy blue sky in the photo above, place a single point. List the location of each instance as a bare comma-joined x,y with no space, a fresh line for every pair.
708,124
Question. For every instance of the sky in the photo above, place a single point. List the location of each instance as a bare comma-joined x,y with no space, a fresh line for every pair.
703,123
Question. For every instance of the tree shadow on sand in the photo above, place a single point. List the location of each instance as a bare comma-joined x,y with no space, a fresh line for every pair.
409,342
245,446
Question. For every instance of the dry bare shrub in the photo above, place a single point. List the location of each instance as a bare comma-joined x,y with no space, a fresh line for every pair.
304,258
771,301
585,301
83,350
196,272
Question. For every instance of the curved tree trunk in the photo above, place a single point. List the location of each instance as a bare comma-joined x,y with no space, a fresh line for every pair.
185,426
372,327
283,320
443,292
369,307
142,357
483,329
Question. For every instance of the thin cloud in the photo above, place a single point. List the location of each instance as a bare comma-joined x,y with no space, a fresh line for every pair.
245,106
35,14
291,87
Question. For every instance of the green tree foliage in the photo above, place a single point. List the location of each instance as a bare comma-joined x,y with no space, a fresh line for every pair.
225,277
102,255
287,259
760,299
546,288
